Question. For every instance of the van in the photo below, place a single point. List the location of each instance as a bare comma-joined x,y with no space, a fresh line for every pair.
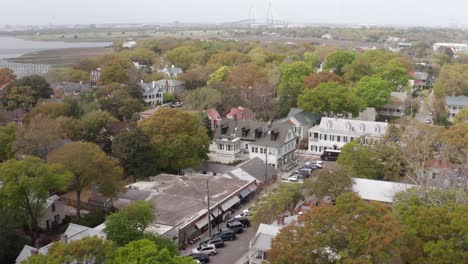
235,226
243,219
330,155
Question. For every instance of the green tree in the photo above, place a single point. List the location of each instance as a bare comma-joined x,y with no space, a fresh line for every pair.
89,166
39,86
71,75
453,80
331,99
129,224
339,59
84,251
115,99
97,128
26,186
330,183
202,98
179,136
374,91
312,59
145,252
135,153
461,117
291,83
114,72
314,79
7,137
352,231
20,97
283,198
184,56
219,75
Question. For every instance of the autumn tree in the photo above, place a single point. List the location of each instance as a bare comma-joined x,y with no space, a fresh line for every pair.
7,137
97,128
179,136
39,86
453,80
314,79
283,198
194,78
114,71
337,60
462,116
6,76
228,58
352,231
116,99
331,99
331,183
136,154
26,186
184,56
456,142
89,166
202,98
129,223
20,97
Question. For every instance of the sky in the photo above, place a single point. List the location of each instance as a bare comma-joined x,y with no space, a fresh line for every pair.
375,12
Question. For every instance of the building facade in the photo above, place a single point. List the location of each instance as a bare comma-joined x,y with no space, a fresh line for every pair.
454,104
334,133
153,93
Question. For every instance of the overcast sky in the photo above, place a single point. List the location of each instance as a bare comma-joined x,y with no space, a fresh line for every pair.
397,12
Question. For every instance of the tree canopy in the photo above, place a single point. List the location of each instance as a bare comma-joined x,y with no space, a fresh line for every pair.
202,98
116,99
314,79
328,182
453,79
338,60
7,137
374,91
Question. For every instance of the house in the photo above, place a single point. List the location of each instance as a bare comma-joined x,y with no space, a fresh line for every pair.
171,71
153,93
441,173
72,88
53,214
302,122
455,47
241,113
94,77
273,143
214,117
419,80
90,200
379,191
72,233
334,133
396,106
129,44
454,104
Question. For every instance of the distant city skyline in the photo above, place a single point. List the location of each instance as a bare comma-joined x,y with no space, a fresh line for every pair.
365,12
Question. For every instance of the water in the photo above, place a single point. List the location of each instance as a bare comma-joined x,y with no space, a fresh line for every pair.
11,47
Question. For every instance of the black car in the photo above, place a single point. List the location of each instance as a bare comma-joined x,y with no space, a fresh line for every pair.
235,226
217,241
243,219
203,258
225,234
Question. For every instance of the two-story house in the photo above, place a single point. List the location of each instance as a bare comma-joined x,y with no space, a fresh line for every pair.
454,104
153,93
396,105
302,122
273,143
334,133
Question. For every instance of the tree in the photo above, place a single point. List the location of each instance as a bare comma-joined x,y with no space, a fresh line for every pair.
39,136
50,109
20,97
374,91
179,136
115,99
6,76
184,56
461,117
97,128
7,137
219,75
129,224
285,197
314,79
228,58
136,154
145,252
456,140
453,80
202,98
114,72
312,59
337,60
39,86
89,166
331,99
330,183
26,186
291,83
352,231
93,249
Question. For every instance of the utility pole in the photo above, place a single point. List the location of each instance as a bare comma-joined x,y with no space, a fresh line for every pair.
208,203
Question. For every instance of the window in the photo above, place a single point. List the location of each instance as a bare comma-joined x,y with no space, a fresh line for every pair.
332,137
53,207
329,124
261,150
325,137
377,129
348,126
362,128
229,147
246,146
221,146
253,149
345,139
316,135
338,138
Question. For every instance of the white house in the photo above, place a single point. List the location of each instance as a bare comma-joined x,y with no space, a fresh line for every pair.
153,93
129,44
334,133
275,143
455,47
53,214
171,71
396,105
454,104
302,121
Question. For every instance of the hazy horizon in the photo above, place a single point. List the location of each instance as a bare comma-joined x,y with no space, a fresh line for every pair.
371,12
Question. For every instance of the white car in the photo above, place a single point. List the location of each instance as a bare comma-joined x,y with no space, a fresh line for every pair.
244,213
319,164
208,249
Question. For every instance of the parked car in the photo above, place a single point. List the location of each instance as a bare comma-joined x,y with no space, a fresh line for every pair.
330,155
208,249
292,178
243,219
217,241
305,172
235,226
244,212
226,234
203,258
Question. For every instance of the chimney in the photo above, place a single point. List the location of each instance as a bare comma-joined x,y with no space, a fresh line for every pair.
280,220
141,81
154,84
64,238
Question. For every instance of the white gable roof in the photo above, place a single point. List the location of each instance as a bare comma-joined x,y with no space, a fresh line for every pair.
351,126
382,191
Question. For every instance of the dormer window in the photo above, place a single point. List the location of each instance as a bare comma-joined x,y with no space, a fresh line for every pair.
377,129
348,127
362,128
329,124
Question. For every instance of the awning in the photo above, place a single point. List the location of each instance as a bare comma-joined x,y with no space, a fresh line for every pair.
216,212
230,203
245,193
202,222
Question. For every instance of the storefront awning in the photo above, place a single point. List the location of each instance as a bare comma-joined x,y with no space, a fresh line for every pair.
243,194
202,222
230,203
215,212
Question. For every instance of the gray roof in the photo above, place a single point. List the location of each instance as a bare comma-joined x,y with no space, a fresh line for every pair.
134,195
304,117
234,129
254,167
212,167
73,87
420,76
456,100
158,86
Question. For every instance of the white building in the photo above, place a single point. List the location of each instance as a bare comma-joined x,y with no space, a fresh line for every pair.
334,133
171,71
454,104
129,44
53,214
153,93
275,143
455,47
